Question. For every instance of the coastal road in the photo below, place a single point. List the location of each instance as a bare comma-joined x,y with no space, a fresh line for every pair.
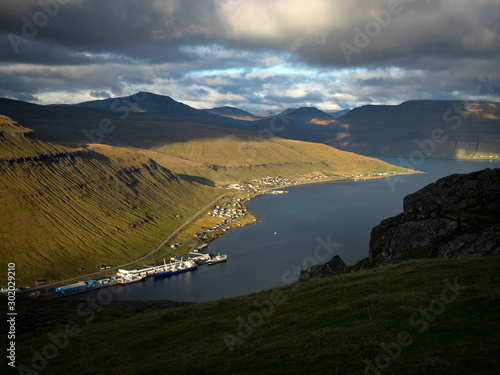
179,229
187,222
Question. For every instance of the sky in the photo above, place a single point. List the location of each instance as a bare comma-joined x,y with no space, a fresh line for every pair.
258,55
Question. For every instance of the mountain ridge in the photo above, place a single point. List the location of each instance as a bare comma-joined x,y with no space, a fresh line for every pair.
233,112
471,128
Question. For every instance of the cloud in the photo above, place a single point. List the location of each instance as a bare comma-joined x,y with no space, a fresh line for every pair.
100,94
252,53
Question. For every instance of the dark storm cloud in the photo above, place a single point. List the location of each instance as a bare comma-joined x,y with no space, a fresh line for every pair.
141,30
423,48
379,32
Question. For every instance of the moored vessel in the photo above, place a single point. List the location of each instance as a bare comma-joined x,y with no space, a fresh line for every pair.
130,280
219,258
182,267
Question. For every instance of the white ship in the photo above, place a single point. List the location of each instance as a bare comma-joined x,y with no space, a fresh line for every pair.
219,258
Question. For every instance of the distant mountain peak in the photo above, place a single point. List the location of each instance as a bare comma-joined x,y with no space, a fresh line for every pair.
234,113
310,116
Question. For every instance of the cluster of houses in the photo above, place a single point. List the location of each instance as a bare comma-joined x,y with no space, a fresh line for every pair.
235,186
272,181
367,175
258,184
230,211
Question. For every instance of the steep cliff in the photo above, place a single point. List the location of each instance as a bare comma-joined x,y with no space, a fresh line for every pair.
456,217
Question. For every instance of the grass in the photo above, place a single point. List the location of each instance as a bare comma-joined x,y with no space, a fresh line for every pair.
321,326
109,206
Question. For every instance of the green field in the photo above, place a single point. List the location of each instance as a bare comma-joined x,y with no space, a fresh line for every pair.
330,326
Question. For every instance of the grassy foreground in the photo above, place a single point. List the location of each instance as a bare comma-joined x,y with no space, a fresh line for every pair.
420,317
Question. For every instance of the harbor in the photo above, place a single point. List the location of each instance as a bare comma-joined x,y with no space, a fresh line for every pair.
165,269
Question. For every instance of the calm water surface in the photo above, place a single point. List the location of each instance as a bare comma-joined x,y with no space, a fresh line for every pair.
290,227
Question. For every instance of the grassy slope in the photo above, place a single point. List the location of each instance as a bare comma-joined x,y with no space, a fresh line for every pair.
191,148
321,326
243,158
18,141
107,206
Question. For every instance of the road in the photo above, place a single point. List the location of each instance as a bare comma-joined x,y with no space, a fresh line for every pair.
187,222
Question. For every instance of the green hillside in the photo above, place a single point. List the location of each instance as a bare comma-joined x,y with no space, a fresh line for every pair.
212,152
64,210
240,158
420,317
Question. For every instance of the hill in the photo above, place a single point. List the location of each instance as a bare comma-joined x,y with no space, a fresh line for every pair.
309,116
306,123
66,211
161,105
337,114
234,113
211,152
417,128
426,128
425,317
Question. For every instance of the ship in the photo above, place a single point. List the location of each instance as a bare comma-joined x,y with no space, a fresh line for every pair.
130,280
184,267
219,258
165,273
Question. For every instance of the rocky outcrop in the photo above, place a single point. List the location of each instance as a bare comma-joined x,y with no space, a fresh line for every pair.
456,217
322,270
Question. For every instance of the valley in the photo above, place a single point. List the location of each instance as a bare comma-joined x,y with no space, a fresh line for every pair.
83,187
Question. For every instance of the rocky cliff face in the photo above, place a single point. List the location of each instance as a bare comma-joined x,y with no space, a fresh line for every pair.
456,217
323,270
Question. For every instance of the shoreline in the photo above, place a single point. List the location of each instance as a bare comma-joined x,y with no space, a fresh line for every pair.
202,211
319,181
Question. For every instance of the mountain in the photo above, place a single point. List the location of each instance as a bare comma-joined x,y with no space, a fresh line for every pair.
160,105
69,209
337,114
308,116
423,128
285,112
420,128
212,152
234,113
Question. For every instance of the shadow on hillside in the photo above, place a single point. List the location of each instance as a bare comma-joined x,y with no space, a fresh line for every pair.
68,124
198,179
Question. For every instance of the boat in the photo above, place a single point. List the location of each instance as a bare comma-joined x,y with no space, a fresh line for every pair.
130,280
165,273
182,267
219,258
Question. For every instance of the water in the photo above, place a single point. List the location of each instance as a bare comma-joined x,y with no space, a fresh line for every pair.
289,233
